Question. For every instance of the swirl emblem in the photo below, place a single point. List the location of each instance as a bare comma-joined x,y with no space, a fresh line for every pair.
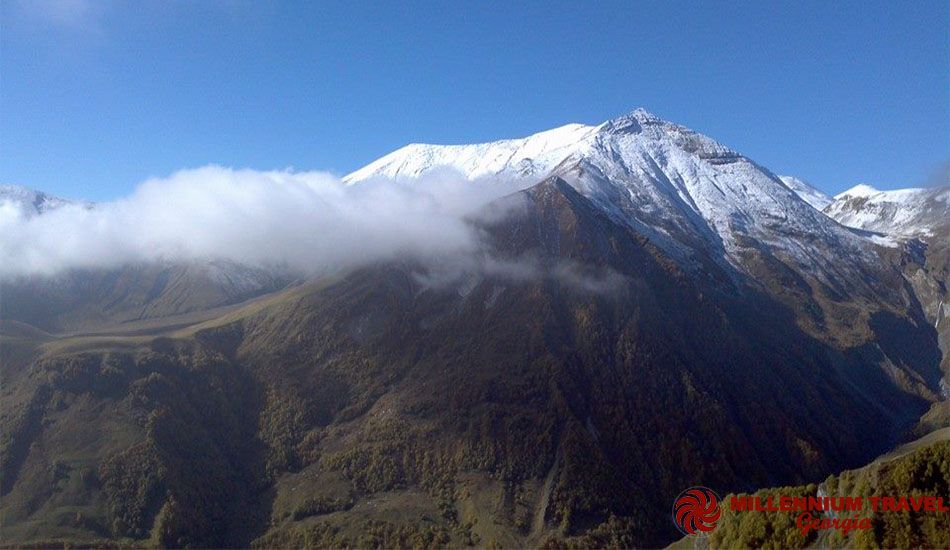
696,510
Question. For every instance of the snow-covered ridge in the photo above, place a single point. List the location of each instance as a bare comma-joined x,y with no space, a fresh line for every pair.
29,202
916,212
533,155
859,190
690,194
536,155
808,193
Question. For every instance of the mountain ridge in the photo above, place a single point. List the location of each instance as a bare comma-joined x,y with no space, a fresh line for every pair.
698,200
32,202
807,192
646,170
899,212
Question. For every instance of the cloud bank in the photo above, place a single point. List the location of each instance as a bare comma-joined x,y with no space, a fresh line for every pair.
306,221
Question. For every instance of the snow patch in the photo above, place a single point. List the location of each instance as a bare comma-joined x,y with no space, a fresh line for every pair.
860,190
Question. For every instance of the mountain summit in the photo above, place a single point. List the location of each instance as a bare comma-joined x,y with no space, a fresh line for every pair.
693,197
684,188
536,154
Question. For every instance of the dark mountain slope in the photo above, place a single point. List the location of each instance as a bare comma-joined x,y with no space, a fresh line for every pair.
914,227
572,378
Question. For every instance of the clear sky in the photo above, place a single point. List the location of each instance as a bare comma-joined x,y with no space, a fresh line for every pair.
96,96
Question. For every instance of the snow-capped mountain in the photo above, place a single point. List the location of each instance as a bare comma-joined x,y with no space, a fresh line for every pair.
691,195
808,193
899,213
30,202
647,286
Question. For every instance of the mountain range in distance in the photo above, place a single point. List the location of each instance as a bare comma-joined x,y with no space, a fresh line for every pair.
643,309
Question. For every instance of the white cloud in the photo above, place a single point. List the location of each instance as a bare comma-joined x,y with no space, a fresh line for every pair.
304,220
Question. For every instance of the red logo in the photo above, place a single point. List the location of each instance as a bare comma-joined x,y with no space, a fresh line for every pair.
696,510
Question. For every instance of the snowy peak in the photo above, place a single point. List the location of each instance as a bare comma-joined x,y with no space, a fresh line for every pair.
539,154
691,195
645,117
860,190
633,122
649,127
28,201
809,194
920,212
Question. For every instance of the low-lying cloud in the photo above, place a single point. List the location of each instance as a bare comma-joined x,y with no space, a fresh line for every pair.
305,221
467,270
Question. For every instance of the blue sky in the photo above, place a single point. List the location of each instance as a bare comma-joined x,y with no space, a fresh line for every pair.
97,96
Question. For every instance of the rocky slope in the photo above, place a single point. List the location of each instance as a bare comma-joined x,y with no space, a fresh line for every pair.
915,224
899,213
